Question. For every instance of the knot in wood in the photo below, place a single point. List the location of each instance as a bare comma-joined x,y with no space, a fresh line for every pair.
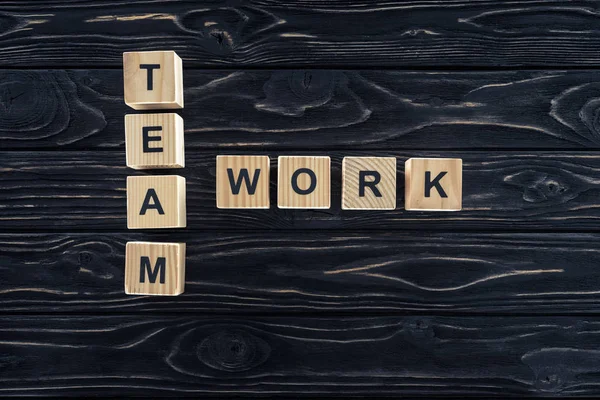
233,350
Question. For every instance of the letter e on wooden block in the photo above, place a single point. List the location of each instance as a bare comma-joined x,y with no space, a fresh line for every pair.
156,269
433,184
156,202
304,182
243,182
154,141
369,183
153,80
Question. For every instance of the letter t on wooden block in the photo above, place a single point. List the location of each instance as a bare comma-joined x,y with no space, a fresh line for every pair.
153,80
156,202
433,184
243,182
154,268
304,182
369,183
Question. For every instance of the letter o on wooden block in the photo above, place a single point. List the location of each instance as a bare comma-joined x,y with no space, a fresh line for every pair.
156,202
304,182
433,184
369,183
243,182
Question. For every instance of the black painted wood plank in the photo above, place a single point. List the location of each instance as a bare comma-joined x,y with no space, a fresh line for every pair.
311,272
85,191
298,33
314,109
155,355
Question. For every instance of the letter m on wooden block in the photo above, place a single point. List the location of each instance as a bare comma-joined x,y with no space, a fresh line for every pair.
154,268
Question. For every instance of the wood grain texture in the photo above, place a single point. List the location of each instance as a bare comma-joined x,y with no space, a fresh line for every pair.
158,355
376,190
253,187
311,272
315,109
156,202
85,191
433,184
312,177
295,33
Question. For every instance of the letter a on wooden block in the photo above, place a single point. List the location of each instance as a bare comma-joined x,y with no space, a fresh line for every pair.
304,182
153,80
156,269
154,141
243,182
156,202
433,184
369,183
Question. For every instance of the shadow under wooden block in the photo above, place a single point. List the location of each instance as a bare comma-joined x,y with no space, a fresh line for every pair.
154,141
304,182
433,184
243,182
369,183
156,202
156,269
153,80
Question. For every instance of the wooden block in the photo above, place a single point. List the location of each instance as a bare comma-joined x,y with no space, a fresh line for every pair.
433,184
304,182
153,80
243,182
156,269
154,141
369,183
156,202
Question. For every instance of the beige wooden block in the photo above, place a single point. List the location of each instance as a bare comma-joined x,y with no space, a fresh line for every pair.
304,182
243,182
156,202
153,80
369,183
156,269
433,184
154,141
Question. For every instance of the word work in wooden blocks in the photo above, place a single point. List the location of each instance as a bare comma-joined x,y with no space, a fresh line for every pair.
154,141
433,184
153,80
156,202
243,182
369,183
155,268
304,182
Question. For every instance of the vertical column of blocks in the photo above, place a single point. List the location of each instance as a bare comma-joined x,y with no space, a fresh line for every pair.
243,181
154,268
369,183
433,184
304,182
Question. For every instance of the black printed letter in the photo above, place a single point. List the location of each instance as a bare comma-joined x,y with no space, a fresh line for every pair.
313,181
245,177
147,139
145,266
149,68
151,195
435,183
372,184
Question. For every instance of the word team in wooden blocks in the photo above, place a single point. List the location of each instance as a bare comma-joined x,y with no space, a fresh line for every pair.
155,268
153,80
243,182
304,182
433,184
369,183
154,141
156,202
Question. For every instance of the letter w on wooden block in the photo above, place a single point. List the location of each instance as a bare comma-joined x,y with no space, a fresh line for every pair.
304,182
369,183
243,182
153,80
156,202
154,141
155,268
433,184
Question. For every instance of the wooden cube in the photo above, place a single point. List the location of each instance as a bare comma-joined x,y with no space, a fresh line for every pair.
153,80
369,183
433,184
154,141
156,202
304,182
156,269
243,181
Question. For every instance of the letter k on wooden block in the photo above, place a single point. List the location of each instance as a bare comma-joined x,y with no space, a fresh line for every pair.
433,184
156,202
155,268
243,182
304,182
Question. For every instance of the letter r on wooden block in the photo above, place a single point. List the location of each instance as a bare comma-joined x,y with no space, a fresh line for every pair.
304,182
154,141
153,80
433,184
369,183
156,269
156,202
243,182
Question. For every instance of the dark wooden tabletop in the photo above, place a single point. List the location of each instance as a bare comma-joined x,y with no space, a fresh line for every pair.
502,298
